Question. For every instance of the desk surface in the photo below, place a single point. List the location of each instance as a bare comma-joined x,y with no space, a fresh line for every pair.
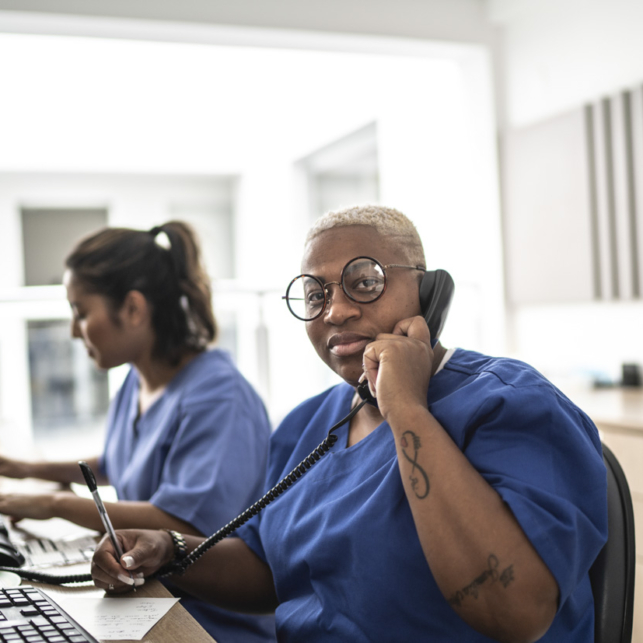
176,625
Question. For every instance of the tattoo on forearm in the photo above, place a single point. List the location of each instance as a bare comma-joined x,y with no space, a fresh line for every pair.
491,574
419,479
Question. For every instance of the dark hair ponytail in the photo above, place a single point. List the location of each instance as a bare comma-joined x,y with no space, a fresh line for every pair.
164,264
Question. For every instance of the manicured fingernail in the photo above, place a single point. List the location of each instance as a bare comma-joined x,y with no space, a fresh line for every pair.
126,579
139,581
128,561
139,575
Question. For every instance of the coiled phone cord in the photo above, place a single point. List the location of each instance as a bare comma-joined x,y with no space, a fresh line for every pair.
180,566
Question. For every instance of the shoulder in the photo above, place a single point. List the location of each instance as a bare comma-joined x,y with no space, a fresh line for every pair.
305,411
212,375
481,390
294,425
504,371
497,378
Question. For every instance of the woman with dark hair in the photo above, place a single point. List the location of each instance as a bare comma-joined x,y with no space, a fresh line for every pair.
187,436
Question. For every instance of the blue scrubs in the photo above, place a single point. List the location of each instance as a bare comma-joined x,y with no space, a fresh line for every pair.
199,453
342,545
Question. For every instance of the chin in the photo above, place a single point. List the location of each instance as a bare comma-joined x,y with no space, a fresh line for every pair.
350,373
348,368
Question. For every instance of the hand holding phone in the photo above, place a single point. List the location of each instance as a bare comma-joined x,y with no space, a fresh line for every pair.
398,365
436,293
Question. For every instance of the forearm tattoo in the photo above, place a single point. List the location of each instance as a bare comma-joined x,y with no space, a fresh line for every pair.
419,480
490,575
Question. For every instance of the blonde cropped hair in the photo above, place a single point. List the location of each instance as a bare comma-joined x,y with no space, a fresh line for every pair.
387,221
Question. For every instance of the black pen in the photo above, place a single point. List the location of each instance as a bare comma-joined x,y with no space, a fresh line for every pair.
90,479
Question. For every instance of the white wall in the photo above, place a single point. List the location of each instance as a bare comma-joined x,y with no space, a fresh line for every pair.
557,55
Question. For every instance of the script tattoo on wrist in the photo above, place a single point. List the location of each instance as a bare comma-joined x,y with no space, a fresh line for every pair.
418,477
490,575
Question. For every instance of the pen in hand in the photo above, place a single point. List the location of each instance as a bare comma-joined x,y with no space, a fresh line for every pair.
90,479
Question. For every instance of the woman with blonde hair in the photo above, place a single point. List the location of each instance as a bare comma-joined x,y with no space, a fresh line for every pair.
466,505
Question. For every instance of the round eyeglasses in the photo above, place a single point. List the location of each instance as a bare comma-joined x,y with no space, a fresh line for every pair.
363,280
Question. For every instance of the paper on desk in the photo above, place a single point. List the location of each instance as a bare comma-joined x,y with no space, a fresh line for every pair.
117,618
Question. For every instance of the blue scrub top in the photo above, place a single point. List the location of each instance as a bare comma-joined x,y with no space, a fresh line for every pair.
342,545
200,454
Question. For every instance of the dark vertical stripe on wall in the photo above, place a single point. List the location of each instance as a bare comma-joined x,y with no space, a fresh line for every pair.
611,199
631,191
593,200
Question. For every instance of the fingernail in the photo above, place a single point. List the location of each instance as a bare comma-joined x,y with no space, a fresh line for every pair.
128,561
139,581
128,580
139,575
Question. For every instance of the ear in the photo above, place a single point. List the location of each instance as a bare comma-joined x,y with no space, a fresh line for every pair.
135,310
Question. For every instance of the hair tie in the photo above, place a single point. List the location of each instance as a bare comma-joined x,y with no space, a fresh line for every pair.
160,237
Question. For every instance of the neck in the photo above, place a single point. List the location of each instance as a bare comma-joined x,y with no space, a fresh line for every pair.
156,374
438,355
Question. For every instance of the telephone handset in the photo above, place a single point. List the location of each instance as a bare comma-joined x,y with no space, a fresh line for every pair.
436,293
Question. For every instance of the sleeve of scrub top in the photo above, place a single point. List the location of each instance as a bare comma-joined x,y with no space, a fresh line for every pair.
216,463
542,455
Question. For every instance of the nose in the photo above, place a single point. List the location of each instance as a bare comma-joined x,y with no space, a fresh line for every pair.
339,307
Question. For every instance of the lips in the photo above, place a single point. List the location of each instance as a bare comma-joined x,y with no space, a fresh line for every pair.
343,344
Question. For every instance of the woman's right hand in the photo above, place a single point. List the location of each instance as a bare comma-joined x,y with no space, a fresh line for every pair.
145,551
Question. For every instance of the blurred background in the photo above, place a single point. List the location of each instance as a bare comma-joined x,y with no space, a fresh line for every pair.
509,131
249,134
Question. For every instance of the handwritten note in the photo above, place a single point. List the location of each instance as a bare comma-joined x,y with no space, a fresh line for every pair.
117,618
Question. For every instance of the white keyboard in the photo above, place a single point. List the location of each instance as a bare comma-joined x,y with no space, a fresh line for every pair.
39,551
44,552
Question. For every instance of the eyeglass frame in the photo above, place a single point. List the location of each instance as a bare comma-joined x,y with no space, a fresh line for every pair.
340,283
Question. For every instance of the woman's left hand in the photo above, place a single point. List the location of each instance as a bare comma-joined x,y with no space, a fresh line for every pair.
39,506
398,365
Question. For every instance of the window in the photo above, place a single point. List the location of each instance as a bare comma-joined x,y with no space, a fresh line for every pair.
67,390
343,173
47,236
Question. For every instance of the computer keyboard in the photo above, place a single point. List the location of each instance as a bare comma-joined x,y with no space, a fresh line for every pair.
45,552
27,614
18,551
